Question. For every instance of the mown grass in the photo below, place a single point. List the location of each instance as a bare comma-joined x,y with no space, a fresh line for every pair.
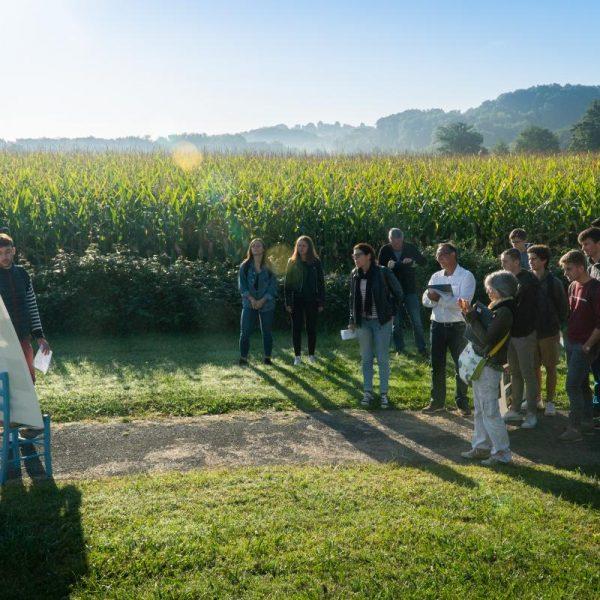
378,531
151,375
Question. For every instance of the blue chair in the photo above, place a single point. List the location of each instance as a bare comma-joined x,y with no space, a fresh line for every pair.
12,444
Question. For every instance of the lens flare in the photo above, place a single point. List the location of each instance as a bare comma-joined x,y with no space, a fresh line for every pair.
278,257
186,156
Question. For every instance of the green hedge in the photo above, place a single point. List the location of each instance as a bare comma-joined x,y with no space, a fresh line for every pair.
124,293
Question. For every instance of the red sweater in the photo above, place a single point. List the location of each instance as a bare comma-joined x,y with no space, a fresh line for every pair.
584,302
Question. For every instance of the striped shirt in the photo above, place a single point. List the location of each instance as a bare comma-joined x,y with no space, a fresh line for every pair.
363,294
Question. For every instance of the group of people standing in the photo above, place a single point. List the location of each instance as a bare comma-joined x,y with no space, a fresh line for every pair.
520,327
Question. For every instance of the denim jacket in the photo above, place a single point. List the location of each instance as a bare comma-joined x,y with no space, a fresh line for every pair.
267,286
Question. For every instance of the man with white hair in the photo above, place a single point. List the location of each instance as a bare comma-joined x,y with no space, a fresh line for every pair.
402,258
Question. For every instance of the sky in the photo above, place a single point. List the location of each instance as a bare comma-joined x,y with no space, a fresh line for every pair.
112,68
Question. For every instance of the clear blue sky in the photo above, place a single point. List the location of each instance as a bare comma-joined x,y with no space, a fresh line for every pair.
112,68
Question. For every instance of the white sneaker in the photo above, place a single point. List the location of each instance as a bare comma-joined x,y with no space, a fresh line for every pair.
297,360
550,409
384,401
511,416
476,454
524,406
497,459
312,359
529,422
366,399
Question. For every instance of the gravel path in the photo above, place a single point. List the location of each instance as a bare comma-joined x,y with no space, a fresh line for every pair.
90,450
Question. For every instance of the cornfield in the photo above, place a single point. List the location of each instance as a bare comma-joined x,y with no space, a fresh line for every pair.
211,206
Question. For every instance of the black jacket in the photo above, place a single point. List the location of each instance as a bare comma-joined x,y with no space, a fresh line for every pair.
553,306
485,339
404,273
387,293
305,280
527,305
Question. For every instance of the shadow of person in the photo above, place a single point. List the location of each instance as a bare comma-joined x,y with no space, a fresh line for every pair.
42,547
368,439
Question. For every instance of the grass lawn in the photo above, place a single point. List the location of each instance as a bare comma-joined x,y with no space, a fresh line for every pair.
378,531
196,374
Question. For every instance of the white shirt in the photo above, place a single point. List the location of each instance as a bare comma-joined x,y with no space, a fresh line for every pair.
446,309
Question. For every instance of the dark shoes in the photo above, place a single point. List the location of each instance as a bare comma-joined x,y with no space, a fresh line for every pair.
243,362
432,408
267,360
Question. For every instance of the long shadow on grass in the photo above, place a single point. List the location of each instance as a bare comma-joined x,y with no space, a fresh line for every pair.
369,440
448,445
42,548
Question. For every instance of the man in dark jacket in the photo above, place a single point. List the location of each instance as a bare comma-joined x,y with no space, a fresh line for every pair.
20,301
523,342
589,239
402,258
553,310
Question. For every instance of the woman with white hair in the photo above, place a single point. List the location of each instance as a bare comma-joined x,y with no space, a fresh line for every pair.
489,335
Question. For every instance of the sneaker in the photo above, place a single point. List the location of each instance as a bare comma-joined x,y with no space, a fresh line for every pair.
550,410
570,435
243,362
384,401
432,408
366,399
524,406
312,359
529,422
511,416
267,360
496,459
30,433
475,453
540,404
297,360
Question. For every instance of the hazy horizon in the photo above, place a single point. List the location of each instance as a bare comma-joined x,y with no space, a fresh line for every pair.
157,68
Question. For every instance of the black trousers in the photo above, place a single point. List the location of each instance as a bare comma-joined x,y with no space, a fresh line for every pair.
446,337
304,311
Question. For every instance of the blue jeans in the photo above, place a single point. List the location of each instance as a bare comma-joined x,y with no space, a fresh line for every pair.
578,384
248,322
374,340
596,374
413,308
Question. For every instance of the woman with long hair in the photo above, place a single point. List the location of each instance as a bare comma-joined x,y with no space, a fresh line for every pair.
375,293
304,295
258,287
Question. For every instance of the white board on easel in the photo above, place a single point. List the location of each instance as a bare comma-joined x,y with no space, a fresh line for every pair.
24,404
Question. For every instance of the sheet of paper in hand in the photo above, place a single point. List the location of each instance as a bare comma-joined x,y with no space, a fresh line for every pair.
441,288
42,361
24,404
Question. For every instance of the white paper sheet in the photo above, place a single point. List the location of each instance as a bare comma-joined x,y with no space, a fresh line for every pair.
42,361
24,404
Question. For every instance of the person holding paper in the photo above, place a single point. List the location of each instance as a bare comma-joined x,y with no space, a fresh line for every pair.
374,295
403,258
19,298
446,287
489,337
